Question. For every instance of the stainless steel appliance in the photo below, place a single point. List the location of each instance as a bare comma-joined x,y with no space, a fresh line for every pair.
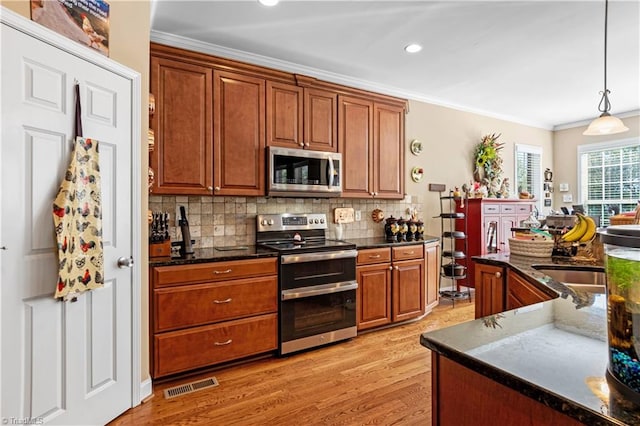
303,173
317,280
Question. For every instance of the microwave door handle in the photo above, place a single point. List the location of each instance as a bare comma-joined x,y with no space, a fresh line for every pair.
332,171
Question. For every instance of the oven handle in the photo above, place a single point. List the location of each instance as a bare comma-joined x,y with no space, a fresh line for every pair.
317,290
314,257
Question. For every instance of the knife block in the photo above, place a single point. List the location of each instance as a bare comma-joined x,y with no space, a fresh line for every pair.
162,249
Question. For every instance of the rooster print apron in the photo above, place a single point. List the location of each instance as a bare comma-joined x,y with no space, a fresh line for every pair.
77,217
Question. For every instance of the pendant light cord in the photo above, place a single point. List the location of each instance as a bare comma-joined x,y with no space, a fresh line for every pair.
604,106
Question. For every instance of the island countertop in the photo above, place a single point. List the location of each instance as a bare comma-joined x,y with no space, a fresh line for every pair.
554,352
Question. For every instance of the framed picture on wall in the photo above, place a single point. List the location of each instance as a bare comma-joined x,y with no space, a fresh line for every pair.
85,21
547,202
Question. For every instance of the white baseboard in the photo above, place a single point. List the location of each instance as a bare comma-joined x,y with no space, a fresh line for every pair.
146,389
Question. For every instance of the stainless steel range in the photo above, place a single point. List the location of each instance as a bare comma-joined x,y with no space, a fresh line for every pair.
317,280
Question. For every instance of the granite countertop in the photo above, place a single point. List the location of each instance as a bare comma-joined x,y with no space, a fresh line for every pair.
217,254
554,352
378,242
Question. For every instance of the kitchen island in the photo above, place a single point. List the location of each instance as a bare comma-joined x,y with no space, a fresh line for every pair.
538,364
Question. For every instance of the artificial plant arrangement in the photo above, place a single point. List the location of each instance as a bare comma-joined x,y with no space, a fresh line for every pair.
488,163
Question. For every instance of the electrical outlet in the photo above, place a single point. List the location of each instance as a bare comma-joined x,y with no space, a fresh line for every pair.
358,215
567,198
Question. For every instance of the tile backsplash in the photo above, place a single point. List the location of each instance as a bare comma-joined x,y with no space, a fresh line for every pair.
231,221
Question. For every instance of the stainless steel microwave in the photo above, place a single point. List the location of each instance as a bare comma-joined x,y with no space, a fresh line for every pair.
303,173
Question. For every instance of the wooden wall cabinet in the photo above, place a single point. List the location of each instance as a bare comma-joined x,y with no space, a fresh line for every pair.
183,153
301,117
481,212
215,116
372,132
239,134
209,313
390,285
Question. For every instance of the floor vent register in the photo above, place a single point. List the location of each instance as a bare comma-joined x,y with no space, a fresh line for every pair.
190,387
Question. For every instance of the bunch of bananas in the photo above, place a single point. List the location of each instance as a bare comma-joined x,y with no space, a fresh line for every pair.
583,231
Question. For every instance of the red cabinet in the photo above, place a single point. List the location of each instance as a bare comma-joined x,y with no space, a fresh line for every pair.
489,222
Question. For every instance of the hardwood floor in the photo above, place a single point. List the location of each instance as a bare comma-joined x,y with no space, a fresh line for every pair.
382,377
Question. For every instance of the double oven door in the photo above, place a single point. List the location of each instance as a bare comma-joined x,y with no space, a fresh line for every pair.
317,298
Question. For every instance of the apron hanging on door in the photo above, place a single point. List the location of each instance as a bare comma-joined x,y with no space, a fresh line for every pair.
77,217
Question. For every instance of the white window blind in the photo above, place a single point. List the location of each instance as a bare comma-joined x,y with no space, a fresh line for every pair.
529,170
609,178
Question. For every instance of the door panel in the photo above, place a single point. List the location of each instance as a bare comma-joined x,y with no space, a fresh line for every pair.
70,363
354,142
388,151
321,119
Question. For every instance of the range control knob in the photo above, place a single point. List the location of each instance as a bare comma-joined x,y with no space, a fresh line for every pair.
263,222
271,222
321,220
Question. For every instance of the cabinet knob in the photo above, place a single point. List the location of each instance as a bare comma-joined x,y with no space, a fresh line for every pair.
217,188
391,268
498,274
306,144
396,267
210,188
301,144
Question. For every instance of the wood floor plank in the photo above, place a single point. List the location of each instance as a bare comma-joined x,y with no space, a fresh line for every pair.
379,378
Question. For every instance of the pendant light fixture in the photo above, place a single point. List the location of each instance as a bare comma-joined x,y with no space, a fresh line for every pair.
606,124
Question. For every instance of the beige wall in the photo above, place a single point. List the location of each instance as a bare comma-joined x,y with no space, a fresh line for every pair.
448,137
128,45
565,151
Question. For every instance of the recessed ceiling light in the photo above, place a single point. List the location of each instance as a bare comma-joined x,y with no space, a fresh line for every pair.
268,2
413,48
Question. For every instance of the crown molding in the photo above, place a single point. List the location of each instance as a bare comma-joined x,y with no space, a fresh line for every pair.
265,61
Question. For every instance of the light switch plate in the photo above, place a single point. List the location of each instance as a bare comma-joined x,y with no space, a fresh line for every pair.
564,187
343,215
567,198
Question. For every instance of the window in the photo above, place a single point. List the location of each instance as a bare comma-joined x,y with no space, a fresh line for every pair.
609,177
528,170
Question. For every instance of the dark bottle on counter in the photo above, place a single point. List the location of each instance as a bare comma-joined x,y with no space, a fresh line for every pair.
419,230
402,230
391,229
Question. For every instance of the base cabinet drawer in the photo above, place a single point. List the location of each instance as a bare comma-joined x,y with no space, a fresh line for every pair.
184,350
198,304
213,271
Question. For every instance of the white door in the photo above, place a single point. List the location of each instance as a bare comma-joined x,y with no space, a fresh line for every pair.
62,362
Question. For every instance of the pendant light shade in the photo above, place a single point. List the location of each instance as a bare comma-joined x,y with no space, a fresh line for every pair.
606,124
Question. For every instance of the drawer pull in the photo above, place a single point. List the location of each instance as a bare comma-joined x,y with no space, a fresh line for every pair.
228,342
374,256
222,301
222,272
408,253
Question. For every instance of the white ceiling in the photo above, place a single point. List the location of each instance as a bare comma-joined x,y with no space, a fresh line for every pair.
533,62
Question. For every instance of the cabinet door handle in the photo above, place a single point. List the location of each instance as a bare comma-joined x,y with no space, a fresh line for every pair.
222,272
228,342
498,274
374,256
218,302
